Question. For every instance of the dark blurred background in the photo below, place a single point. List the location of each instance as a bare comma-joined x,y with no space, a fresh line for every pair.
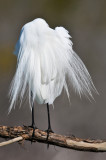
86,22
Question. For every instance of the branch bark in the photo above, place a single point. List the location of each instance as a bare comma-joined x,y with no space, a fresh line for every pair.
25,133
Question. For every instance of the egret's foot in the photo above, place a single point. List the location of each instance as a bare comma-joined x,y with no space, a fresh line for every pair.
49,130
34,128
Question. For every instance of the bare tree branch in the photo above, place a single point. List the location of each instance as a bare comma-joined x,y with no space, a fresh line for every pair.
25,133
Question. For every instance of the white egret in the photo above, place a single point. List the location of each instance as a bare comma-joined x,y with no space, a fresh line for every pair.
45,60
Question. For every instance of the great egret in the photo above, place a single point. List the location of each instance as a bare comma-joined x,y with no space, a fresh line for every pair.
45,60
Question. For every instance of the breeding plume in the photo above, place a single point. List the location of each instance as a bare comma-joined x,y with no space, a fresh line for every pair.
45,61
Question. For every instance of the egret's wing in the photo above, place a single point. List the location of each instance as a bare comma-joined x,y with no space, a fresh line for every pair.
47,60
52,72
75,69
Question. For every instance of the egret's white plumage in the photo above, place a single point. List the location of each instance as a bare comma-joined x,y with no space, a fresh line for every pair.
45,60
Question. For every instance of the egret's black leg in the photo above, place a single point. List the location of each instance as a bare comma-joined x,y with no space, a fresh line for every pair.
33,121
49,124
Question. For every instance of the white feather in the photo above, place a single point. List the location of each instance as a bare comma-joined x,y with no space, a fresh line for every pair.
45,59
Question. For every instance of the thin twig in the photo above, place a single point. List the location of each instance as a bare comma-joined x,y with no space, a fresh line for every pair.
53,139
11,141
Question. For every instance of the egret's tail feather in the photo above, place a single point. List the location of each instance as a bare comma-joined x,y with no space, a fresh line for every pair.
80,77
